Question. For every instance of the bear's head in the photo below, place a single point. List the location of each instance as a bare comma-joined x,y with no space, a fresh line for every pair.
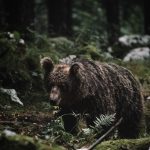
63,81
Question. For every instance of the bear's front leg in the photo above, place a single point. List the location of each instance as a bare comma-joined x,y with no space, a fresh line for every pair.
70,121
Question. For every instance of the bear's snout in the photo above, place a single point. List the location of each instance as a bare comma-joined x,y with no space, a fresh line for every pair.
55,96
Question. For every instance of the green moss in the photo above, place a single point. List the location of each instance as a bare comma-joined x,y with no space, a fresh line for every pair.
124,144
20,142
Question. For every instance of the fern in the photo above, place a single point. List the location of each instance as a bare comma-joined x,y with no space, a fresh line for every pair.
102,122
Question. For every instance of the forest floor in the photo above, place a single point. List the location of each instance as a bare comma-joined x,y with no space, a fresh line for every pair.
25,120
31,121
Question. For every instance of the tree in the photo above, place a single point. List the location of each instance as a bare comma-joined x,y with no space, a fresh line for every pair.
113,22
59,17
146,17
18,15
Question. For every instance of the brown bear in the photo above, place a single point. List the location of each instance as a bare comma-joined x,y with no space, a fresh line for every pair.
94,88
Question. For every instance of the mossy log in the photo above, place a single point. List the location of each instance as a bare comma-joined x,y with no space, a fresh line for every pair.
125,144
20,142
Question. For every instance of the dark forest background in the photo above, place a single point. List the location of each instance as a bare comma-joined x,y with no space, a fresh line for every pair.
109,18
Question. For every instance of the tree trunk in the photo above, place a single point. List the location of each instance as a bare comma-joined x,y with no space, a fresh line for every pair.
113,23
18,15
59,17
1,14
146,17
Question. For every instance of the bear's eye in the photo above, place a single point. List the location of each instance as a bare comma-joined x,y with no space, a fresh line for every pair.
50,85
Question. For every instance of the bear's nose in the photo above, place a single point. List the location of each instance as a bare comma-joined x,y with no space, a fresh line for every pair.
54,99
54,96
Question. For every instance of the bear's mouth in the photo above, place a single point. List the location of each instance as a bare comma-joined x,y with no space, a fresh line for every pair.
55,102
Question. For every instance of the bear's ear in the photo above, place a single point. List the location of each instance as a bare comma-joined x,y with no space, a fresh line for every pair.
47,64
75,68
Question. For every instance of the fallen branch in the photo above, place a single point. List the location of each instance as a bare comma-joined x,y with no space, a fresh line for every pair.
14,123
8,122
103,136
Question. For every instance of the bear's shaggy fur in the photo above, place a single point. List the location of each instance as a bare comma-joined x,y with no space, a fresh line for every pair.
95,88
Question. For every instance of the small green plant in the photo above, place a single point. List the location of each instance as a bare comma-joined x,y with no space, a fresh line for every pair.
103,122
56,133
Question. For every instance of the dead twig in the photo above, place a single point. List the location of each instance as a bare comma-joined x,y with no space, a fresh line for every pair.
14,123
104,136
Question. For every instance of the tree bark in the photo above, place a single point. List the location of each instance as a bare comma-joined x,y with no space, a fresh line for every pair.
113,23
1,14
59,17
18,15
146,17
